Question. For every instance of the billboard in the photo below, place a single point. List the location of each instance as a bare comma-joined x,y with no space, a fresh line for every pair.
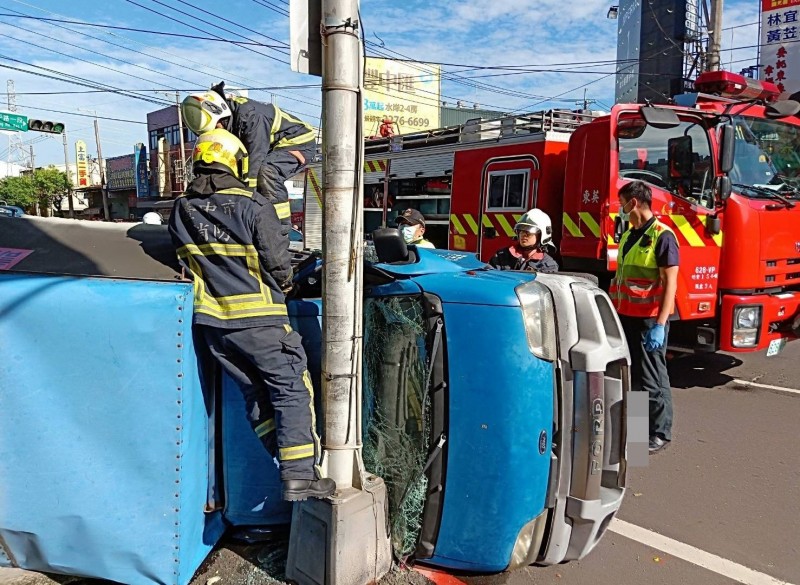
780,44
140,164
629,30
82,162
120,173
406,92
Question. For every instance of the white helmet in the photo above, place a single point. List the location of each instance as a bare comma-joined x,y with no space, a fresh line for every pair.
534,221
152,218
202,111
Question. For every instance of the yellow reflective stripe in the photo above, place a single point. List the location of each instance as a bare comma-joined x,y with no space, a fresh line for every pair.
501,219
457,225
472,223
218,249
276,123
571,226
265,428
298,452
317,443
486,221
252,182
287,328
716,237
235,191
517,217
284,210
304,138
688,231
589,222
274,311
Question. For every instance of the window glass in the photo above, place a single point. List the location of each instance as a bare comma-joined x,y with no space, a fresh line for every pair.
644,154
508,190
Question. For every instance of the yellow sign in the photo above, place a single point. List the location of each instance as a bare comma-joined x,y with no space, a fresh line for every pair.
82,158
401,95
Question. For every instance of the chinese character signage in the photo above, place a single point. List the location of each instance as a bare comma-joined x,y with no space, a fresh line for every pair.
780,44
120,173
82,163
405,95
142,179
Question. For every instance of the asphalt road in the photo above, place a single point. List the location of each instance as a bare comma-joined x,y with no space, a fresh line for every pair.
728,485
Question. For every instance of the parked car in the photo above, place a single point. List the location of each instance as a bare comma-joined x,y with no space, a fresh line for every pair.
295,240
11,211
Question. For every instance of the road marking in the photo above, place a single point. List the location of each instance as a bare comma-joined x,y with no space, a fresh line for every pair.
747,384
687,552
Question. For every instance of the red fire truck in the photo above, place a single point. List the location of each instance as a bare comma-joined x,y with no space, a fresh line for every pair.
724,168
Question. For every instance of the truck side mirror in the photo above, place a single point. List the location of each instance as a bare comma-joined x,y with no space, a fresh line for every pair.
723,188
713,225
727,146
489,233
390,246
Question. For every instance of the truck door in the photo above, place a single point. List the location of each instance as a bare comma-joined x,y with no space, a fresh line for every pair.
508,189
677,164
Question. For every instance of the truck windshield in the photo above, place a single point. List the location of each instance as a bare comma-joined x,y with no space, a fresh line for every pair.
767,155
644,154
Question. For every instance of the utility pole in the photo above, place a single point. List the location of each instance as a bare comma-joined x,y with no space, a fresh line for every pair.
33,161
715,35
356,549
183,147
106,210
69,177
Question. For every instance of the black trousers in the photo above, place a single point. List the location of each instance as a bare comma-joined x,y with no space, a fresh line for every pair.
649,373
278,167
269,365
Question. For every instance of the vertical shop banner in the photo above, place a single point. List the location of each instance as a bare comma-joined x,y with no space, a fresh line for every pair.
780,44
406,94
142,180
82,163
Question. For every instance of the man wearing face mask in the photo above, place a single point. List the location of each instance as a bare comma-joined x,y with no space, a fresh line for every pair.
412,226
643,291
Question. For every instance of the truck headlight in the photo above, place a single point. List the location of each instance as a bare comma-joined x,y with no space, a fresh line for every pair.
539,316
746,323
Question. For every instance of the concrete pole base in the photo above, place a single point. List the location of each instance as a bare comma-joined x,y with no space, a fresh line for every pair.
343,540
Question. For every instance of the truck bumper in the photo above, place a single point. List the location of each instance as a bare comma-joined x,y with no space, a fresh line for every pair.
777,320
588,465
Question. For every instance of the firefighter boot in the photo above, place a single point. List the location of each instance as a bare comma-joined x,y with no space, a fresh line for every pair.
298,490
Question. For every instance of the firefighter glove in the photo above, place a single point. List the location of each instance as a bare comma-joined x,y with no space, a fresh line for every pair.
654,339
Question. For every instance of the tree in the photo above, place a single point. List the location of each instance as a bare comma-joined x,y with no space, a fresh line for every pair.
44,186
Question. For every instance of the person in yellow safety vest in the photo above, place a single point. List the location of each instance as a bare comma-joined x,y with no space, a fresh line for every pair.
412,225
279,145
226,236
643,291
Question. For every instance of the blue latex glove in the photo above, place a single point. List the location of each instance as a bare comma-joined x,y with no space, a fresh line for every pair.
654,339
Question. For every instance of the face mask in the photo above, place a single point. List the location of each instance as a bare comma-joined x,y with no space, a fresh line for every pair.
624,216
408,233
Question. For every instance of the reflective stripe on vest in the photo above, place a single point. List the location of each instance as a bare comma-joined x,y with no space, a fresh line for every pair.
280,117
636,289
255,304
283,210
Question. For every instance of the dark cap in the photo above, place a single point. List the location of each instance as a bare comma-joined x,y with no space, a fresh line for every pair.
411,216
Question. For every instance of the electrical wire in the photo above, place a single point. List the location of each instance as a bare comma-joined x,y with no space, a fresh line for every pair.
273,7
230,22
81,115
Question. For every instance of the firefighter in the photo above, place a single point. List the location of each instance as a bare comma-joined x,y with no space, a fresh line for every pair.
643,291
412,225
278,144
534,232
226,236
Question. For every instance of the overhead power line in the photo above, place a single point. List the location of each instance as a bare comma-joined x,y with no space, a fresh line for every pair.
81,115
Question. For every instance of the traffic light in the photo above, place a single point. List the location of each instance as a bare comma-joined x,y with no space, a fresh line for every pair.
45,126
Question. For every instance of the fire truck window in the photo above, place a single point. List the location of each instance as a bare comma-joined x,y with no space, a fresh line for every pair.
644,156
507,190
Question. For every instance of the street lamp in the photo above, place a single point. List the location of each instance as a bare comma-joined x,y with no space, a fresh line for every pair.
613,12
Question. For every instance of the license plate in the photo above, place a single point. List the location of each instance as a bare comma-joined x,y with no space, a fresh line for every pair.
775,346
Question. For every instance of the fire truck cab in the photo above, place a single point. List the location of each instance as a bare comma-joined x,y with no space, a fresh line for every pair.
723,165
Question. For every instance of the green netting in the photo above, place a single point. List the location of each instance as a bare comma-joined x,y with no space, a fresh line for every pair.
396,421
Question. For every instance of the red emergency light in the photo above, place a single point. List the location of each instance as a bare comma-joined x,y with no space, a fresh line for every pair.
733,85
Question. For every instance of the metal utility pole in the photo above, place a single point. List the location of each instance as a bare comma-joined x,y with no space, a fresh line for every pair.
715,36
69,177
106,210
183,147
33,161
358,550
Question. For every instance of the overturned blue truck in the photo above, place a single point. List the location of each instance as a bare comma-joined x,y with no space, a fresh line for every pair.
494,408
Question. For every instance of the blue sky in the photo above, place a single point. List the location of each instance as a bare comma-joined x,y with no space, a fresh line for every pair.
483,33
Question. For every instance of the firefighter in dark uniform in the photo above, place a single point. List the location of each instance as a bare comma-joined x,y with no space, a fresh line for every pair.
643,291
278,144
534,232
226,236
